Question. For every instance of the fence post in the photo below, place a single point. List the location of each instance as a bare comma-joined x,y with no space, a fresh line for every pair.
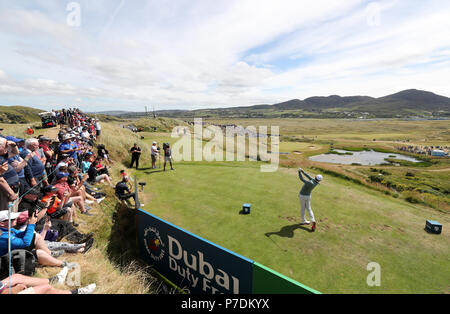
136,195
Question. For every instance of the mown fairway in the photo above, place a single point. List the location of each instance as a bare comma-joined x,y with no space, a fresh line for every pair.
356,226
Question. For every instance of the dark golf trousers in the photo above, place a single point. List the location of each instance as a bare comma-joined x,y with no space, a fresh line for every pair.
135,159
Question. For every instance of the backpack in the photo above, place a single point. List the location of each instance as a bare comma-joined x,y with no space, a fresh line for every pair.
23,262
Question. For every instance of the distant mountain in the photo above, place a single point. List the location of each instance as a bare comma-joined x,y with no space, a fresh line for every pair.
336,101
406,103
110,113
415,99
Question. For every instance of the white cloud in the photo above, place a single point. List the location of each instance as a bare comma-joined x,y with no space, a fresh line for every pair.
192,54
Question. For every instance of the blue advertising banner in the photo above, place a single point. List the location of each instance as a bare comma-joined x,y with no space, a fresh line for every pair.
190,262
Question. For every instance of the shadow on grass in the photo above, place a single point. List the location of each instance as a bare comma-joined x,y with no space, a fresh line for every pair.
123,249
288,231
152,172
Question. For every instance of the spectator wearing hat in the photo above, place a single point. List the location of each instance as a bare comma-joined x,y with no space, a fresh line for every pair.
21,144
68,147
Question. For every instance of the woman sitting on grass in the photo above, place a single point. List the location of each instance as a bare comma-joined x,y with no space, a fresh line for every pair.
95,177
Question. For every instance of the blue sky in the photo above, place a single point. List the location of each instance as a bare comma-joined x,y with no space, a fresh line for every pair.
182,54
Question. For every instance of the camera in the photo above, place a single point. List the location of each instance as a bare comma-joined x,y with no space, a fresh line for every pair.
40,206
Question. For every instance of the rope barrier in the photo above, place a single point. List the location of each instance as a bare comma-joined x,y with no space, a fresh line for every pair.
9,244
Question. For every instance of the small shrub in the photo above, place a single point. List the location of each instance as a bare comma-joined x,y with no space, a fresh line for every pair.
412,200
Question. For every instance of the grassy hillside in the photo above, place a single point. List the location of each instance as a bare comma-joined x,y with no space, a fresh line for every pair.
111,264
17,114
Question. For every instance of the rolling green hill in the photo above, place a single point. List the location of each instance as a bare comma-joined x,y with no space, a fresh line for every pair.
18,114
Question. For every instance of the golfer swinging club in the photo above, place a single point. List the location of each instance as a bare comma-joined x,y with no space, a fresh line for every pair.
305,197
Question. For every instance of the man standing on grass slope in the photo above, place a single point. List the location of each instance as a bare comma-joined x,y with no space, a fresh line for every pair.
305,197
135,155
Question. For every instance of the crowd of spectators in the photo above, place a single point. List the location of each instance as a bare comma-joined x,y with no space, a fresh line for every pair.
424,150
47,183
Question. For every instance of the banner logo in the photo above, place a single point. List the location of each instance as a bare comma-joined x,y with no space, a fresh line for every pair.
153,244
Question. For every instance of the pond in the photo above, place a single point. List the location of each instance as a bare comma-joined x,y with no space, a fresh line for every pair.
365,158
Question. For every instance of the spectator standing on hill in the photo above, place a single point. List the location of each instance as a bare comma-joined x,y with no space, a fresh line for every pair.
98,128
305,197
135,155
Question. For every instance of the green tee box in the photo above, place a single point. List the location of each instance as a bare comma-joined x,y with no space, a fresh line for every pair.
268,281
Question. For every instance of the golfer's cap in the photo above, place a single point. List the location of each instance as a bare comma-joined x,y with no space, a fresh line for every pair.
44,138
155,143
4,215
23,217
14,139
319,178
49,188
61,175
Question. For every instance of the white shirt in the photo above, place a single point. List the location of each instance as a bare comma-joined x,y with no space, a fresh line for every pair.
154,150
85,134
